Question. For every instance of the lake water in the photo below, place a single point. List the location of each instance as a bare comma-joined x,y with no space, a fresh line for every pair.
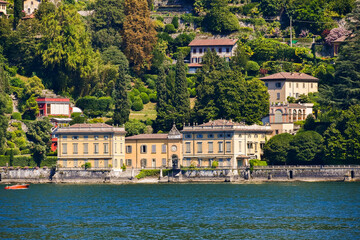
182,211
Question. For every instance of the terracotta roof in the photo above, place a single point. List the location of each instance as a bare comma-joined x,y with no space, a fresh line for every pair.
294,76
194,65
213,42
4,2
340,39
148,136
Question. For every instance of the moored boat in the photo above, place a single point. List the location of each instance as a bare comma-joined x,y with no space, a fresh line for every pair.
18,186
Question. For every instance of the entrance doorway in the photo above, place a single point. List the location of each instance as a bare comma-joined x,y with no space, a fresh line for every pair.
175,161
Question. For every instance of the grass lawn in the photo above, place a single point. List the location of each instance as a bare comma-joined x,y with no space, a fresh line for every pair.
149,112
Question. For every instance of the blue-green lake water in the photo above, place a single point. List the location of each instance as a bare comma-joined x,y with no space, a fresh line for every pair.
182,211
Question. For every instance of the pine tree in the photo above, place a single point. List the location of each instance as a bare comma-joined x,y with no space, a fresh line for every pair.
120,96
139,35
181,97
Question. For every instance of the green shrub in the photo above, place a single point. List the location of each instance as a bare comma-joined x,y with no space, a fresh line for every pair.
17,125
151,83
4,160
50,161
144,97
160,18
252,67
169,28
22,161
25,151
137,105
148,173
214,164
16,115
86,165
153,97
15,151
175,22
10,144
21,141
257,162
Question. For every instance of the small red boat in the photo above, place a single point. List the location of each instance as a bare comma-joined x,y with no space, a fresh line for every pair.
18,186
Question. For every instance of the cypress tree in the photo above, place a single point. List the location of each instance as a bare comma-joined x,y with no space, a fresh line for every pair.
181,98
18,7
120,96
3,102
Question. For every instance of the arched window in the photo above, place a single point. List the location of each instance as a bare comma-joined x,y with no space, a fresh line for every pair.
294,116
278,116
300,115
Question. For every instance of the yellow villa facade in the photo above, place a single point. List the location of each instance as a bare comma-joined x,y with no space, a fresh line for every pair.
229,143
101,145
154,151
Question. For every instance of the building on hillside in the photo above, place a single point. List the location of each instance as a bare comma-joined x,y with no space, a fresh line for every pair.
3,8
229,143
285,84
224,47
101,145
154,151
283,116
30,6
336,45
54,106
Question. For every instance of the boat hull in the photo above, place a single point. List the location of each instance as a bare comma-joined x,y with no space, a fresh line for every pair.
14,187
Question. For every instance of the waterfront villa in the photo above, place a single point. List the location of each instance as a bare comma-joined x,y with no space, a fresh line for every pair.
154,150
224,47
101,145
229,143
54,106
285,84
3,9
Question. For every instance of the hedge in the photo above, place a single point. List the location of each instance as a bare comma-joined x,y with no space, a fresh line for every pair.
90,104
23,161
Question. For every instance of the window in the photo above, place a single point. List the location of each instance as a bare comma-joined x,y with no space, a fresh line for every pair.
262,145
106,148
220,135
250,145
64,137
115,163
289,94
194,50
228,147
96,137
128,162
240,146
199,136
227,50
262,135
115,147
128,149
228,135
240,135
64,148
303,85
199,147
276,132
210,135
75,137
278,85
163,148
143,163
277,96
221,147
96,148
86,148
200,59
200,50
249,136
143,149
255,136
75,148
311,85
163,162
121,146
106,137
86,137
75,163
289,84
153,148
297,85
212,49
267,85
210,147
187,135
256,146
220,50
187,147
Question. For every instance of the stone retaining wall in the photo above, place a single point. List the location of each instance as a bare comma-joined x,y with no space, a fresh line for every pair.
278,173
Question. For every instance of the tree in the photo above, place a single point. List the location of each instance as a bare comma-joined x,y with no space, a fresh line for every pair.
66,52
139,35
305,148
219,19
3,104
18,14
181,96
276,149
45,8
107,23
39,133
120,96
134,127
270,7
342,138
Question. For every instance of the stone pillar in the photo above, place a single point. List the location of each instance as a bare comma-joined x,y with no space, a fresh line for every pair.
161,173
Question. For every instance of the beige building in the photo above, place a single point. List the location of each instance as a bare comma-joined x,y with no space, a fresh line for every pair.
30,6
3,8
101,145
224,47
229,143
284,84
154,151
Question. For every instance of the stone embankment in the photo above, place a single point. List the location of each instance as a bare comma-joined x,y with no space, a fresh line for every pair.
243,175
